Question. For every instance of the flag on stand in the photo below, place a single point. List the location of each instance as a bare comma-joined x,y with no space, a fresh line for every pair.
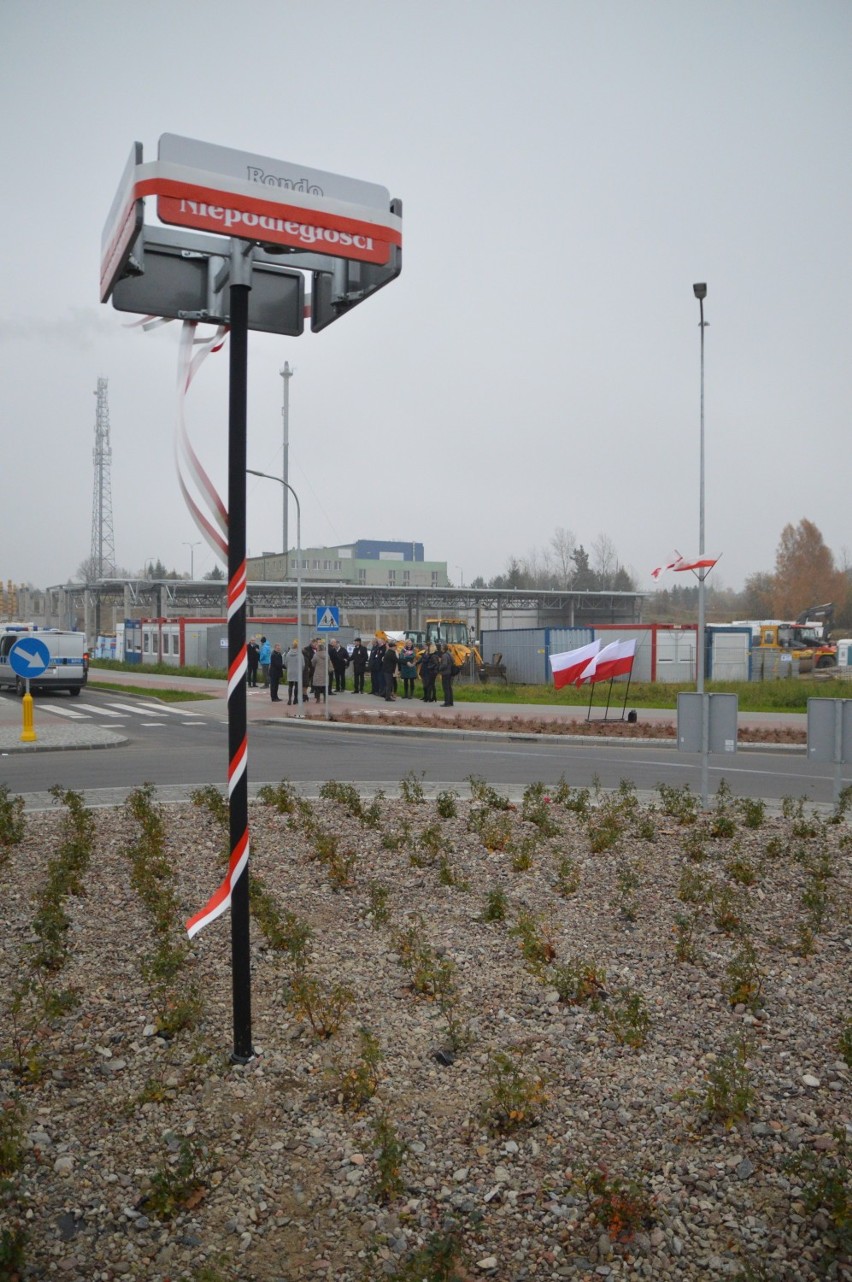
566,667
614,660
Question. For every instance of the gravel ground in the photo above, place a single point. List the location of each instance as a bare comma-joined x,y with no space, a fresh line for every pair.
513,1134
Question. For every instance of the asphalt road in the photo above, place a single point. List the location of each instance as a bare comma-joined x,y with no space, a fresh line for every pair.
184,746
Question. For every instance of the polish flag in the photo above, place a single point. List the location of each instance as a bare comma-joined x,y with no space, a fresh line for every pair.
567,666
614,660
700,563
672,565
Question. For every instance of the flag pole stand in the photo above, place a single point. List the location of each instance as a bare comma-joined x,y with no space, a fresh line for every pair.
591,697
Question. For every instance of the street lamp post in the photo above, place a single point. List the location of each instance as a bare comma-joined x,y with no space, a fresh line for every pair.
286,374
700,292
288,486
192,547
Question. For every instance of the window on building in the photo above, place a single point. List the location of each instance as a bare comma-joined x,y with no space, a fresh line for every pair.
362,576
434,578
406,577
391,577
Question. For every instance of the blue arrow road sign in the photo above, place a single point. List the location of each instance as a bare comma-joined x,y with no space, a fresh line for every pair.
328,618
29,657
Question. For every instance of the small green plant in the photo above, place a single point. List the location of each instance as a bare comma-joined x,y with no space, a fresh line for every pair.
284,931
11,818
774,848
486,795
345,794
440,1259
211,799
686,947
576,800
728,910
740,869
723,823
12,1116
743,980
411,789
449,875
281,797
604,826
694,842
323,1006
628,1018
399,839
568,876
174,1182
496,905
515,1098
729,1094
535,939
679,803
446,804
627,883
844,1042
358,1083
495,831
579,981
379,895
620,1207
694,887
753,811
537,808
13,1255
842,805
826,1180
390,1153
432,841
523,852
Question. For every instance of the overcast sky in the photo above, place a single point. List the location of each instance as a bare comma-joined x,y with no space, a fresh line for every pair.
568,170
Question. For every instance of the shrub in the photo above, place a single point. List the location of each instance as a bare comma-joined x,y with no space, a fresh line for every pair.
515,1098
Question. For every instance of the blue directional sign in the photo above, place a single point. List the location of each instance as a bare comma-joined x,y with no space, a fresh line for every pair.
29,657
328,618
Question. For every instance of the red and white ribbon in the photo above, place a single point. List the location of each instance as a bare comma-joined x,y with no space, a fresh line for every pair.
215,530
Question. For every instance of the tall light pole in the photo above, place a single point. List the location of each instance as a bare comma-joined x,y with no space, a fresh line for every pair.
700,292
192,547
288,486
286,373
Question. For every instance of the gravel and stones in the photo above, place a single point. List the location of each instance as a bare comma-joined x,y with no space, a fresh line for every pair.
615,1168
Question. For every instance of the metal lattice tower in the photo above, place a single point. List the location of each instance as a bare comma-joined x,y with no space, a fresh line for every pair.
102,557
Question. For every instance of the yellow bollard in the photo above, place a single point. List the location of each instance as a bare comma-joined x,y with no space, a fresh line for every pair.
28,734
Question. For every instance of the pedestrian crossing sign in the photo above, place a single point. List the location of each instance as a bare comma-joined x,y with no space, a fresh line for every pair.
328,618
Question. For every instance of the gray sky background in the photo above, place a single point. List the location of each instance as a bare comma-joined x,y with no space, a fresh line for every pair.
568,170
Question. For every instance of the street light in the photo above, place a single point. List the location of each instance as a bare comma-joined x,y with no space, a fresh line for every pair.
700,292
192,547
266,477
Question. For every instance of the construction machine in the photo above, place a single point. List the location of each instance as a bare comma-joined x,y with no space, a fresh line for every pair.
450,632
807,640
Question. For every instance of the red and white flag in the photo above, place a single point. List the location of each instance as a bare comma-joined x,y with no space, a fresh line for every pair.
566,667
614,660
681,563
700,563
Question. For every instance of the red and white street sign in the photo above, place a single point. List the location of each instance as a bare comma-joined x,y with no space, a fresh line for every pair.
269,202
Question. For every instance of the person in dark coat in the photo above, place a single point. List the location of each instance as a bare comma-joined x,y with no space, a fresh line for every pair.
445,670
339,663
276,672
308,653
377,676
360,659
252,660
428,673
389,666
408,670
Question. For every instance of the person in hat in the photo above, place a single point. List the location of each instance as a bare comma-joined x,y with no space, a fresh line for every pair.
360,658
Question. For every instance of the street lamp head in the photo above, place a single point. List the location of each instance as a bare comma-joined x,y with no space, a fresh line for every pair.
700,292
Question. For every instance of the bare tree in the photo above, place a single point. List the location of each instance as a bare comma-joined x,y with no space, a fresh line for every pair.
563,544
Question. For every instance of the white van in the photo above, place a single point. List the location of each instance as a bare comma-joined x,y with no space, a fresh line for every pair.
69,660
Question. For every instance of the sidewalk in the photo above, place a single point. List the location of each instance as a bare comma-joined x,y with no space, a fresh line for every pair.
401,713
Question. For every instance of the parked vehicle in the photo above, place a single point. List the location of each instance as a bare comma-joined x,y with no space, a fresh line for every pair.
69,659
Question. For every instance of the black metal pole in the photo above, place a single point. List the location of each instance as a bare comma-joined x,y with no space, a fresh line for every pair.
237,719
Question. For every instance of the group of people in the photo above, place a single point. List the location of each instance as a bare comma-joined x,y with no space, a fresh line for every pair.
323,669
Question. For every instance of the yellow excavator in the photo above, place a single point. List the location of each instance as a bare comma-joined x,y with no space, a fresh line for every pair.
450,632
